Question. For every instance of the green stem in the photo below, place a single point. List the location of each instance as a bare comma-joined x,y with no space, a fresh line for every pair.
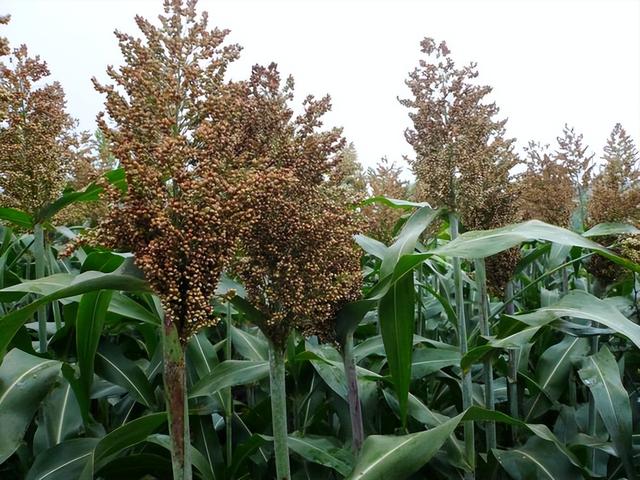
467,393
419,293
599,291
228,393
38,250
355,409
512,373
483,307
279,411
177,407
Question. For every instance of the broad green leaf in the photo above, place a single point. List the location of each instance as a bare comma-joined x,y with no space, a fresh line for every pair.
42,286
113,366
484,243
251,347
63,461
24,382
552,372
349,317
202,354
397,457
423,414
129,308
11,323
430,360
89,194
105,262
603,229
123,437
17,217
371,246
541,431
230,373
580,304
205,439
396,314
61,413
330,367
537,460
405,243
199,461
325,451
600,373
375,346
394,202
92,311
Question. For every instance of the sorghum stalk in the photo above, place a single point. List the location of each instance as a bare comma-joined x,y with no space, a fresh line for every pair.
512,374
483,306
228,414
467,398
39,253
598,291
177,407
419,293
353,397
279,411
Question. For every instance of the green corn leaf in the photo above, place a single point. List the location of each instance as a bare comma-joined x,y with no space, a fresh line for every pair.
230,373
552,372
251,347
397,457
17,217
396,314
325,451
536,460
25,380
113,366
11,322
600,373
63,461
92,311
580,304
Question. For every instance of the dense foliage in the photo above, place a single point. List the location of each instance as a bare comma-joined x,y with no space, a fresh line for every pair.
204,291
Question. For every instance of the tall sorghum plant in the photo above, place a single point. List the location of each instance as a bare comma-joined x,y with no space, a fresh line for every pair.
460,151
298,260
183,135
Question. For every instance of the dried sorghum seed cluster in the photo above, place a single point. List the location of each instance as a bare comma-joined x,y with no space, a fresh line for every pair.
210,167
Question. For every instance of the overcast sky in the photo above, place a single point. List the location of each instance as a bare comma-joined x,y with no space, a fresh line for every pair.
549,62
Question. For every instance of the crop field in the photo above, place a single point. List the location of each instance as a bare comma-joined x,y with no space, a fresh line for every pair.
212,287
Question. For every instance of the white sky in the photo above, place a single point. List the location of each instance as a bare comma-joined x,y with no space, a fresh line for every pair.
550,62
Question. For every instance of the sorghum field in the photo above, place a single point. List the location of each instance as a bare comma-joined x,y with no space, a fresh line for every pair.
211,287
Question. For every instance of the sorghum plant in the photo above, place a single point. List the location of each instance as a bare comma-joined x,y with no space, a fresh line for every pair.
298,260
615,197
385,181
547,189
461,150
35,133
183,135
574,156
